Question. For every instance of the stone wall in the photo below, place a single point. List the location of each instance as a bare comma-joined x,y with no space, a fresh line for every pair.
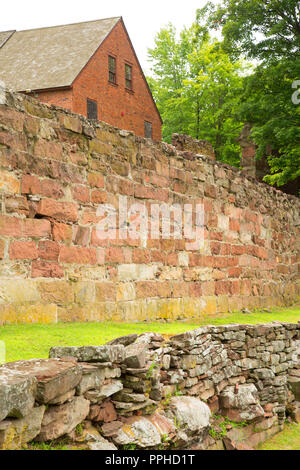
215,387
57,167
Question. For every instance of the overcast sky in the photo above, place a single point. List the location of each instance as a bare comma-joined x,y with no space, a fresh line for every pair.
143,19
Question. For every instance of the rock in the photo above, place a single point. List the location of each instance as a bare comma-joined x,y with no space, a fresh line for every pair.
129,397
139,431
96,396
17,393
294,383
62,398
105,412
135,356
190,413
125,340
232,445
94,377
102,444
114,354
17,432
62,419
54,376
111,429
241,404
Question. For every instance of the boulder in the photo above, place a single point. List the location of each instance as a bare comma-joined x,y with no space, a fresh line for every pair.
54,377
241,403
136,355
17,393
96,396
139,431
189,413
62,419
93,377
125,340
15,433
106,353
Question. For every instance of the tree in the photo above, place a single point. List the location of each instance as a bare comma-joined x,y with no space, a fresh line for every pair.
197,88
269,32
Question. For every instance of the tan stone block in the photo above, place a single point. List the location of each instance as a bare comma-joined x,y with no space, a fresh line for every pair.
56,291
9,183
125,291
18,291
37,313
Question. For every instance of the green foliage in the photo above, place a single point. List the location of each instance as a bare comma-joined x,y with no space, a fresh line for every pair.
197,88
267,31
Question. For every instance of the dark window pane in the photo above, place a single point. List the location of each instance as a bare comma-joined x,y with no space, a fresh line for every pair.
92,109
128,76
148,130
112,69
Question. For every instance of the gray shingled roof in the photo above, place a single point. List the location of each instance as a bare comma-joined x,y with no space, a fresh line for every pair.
49,57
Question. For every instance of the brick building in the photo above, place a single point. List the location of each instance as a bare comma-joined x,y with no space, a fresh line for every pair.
90,68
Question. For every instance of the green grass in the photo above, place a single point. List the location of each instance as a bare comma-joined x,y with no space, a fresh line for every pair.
34,340
288,439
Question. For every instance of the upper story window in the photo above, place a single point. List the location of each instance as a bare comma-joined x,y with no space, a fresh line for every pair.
112,70
128,77
92,109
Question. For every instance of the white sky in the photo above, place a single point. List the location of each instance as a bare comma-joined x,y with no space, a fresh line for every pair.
143,19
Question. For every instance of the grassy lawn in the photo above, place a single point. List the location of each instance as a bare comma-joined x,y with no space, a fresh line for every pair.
34,340
288,439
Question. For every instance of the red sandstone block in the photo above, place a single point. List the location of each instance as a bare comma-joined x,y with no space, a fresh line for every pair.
2,248
208,261
99,197
180,290
78,255
235,287
67,211
30,185
11,118
62,232
96,241
196,260
114,255
81,193
238,249
81,235
160,181
179,187
95,180
52,189
225,249
105,291
100,256
39,228
143,192
210,191
158,256
41,268
141,256
172,259
222,287
220,262
234,272
15,141
52,150
215,248
195,289
49,250
10,226
31,125
234,225
146,289
23,250
216,236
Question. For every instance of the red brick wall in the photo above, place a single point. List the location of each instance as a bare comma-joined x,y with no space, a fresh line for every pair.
57,167
116,105
62,98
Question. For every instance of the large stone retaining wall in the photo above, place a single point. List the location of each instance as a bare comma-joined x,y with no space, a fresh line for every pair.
217,387
57,167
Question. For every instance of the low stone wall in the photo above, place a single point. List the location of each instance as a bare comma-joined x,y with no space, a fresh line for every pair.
212,388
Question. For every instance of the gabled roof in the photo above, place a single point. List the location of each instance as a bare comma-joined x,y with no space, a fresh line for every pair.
51,57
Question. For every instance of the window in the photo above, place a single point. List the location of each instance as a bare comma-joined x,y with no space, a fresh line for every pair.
128,77
148,130
92,109
112,74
